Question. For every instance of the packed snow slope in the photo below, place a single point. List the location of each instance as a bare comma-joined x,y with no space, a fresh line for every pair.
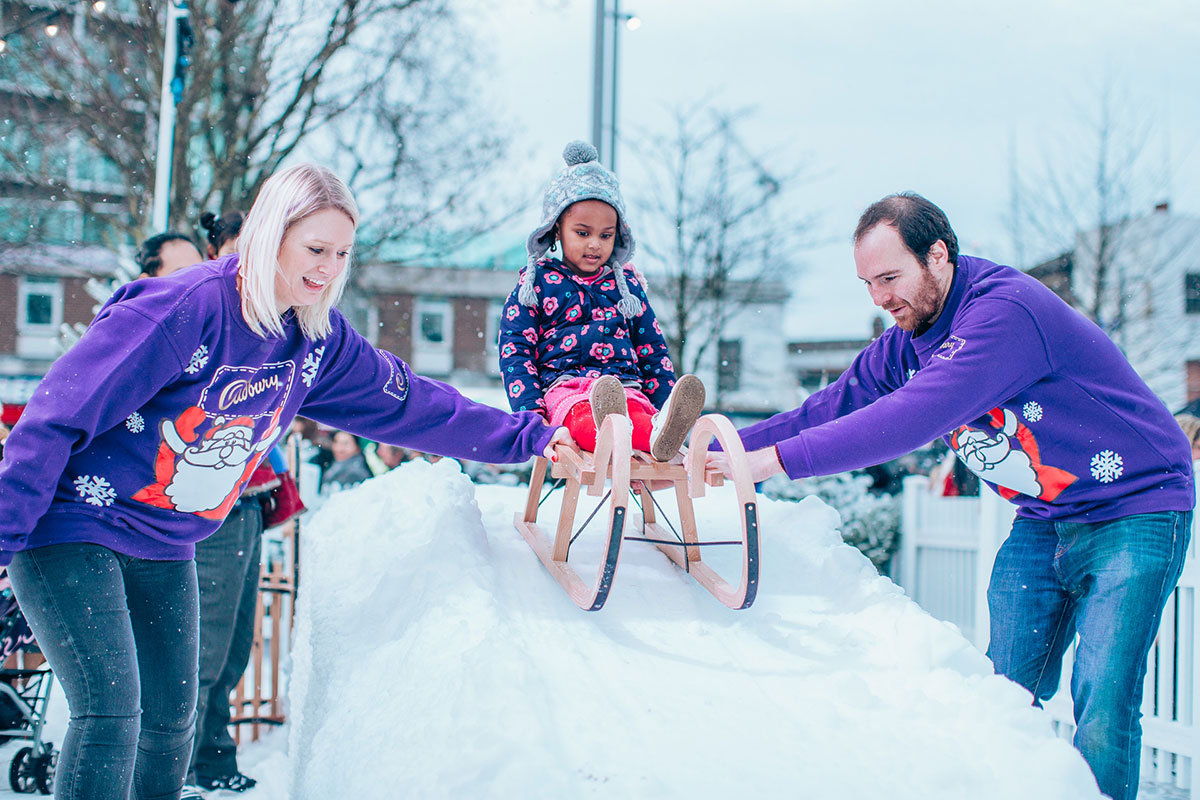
436,658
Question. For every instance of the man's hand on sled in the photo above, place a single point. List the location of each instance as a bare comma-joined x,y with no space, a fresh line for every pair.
763,463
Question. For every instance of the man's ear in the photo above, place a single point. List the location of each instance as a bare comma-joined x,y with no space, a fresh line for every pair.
938,258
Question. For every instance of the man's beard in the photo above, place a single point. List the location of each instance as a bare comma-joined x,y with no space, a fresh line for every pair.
926,305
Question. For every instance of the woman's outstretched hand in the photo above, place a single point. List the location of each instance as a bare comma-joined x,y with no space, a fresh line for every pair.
561,436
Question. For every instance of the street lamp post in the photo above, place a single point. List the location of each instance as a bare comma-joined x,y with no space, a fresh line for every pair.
177,13
604,80
612,113
598,80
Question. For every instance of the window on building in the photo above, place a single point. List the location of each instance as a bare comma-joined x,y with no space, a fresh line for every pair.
93,168
1191,292
433,327
24,221
813,380
39,315
1193,381
433,336
40,302
491,344
729,365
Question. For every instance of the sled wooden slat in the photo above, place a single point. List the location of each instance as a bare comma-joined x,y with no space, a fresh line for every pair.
707,428
614,463
573,465
538,477
610,462
562,534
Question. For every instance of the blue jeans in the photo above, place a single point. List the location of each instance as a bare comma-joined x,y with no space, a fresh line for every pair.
120,634
1108,583
227,568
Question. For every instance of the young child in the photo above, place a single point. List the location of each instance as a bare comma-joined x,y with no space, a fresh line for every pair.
578,340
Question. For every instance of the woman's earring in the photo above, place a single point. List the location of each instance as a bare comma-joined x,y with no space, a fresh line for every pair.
554,245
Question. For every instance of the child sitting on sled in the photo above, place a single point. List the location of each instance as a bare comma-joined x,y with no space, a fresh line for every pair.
578,339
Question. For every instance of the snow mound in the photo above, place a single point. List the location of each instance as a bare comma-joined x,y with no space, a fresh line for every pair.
434,657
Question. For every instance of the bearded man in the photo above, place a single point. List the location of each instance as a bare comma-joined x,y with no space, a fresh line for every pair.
1043,406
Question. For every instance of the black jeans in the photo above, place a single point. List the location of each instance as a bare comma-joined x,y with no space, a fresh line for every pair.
227,567
120,634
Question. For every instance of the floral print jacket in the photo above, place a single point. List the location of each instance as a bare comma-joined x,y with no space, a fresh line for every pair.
576,331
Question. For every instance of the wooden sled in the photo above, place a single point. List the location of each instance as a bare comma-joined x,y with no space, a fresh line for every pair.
615,464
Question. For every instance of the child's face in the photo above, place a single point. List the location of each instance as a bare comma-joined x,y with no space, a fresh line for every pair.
588,232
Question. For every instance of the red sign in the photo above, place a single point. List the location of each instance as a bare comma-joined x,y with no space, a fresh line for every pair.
10,412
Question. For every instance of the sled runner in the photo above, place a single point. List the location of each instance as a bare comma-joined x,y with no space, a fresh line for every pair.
616,465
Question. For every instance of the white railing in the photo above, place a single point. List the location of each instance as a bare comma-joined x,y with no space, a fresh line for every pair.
947,548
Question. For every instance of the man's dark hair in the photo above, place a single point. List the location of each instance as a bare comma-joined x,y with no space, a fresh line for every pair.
149,255
223,228
919,222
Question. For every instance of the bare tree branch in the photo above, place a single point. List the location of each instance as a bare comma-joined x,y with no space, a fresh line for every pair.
1094,197
728,230
346,82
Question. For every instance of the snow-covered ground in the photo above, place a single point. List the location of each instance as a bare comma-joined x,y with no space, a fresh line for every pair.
434,657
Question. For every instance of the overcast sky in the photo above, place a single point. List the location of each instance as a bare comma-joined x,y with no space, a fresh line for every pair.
874,96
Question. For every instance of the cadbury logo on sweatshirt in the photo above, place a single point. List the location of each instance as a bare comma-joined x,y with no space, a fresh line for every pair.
248,391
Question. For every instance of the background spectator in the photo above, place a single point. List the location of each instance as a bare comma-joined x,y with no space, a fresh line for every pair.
222,232
383,458
1191,428
349,466
165,253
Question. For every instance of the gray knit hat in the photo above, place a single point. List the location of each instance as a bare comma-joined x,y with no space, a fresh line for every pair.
584,178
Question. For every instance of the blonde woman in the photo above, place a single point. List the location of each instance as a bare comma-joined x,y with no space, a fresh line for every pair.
139,440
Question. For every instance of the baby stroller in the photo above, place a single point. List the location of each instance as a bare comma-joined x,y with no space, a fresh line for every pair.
24,695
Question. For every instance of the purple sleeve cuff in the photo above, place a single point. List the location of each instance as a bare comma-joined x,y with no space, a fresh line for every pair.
795,458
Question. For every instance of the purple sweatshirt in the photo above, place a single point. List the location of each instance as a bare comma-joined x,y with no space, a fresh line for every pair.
1030,394
141,437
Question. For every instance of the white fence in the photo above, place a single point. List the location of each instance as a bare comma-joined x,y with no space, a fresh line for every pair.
947,548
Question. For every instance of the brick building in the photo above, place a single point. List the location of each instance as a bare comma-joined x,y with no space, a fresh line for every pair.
43,288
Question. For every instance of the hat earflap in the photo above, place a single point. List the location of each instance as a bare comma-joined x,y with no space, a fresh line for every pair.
628,305
526,295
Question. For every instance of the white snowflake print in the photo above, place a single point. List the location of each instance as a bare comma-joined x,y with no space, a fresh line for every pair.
1032,411
309,367
135,423
199,359
95,491
1107,466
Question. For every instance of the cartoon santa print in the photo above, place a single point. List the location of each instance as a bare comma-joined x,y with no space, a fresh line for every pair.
204,474
1009,458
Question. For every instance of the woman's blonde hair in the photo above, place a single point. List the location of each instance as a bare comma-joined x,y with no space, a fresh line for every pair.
286,198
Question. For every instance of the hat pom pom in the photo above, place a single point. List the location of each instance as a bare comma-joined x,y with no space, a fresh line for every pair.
579,152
